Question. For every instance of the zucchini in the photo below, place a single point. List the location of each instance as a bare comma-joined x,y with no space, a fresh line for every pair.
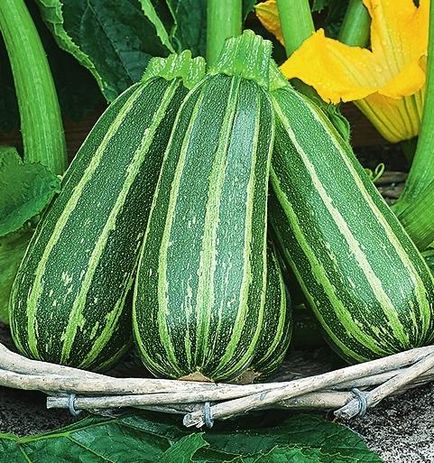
365,280
200,288
68,300
276,328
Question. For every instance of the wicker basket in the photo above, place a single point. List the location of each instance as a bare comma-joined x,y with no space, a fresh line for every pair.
309,381
349,391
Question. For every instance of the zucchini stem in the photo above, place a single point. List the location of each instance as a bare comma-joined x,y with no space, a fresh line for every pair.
296,23
355,26
41,122
422,169
224,20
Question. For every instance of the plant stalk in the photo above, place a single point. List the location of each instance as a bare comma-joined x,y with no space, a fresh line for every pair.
296,23
355,26
421,174
414,208
224,20
41,122
418,219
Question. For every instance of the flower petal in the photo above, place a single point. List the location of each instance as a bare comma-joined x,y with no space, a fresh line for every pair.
268,14
399,31
395,119
394,67
336,71
408,81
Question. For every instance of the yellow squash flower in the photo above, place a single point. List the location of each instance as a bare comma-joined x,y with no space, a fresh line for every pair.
386,82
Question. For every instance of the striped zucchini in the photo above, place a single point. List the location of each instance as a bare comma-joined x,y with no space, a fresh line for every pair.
68,300
360,272
200,289
276,328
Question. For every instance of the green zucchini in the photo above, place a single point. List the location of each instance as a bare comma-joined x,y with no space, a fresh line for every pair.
366,282
276,328
68,300
200,288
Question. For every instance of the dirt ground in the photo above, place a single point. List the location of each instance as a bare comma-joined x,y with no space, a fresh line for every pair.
401,429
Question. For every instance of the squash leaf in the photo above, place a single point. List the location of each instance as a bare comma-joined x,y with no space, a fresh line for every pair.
12,248
114,39
150,438
25,190
331,15
189,30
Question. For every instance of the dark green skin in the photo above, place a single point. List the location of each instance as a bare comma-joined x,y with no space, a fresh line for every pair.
112,278
360,272
193,327
277,305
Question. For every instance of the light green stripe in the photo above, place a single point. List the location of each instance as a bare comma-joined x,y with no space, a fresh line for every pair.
420,289
374,282
70,178
243,310
163,308
95,259
205,299
282,324
110,325
35,294
320,275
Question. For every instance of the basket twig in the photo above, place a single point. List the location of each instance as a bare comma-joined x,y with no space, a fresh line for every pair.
394,384
332,390
317,400
11,361
310,384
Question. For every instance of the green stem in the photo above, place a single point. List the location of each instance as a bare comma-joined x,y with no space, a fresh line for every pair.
41,122
422,169
296,23
408,148
355,26
224,20
418,220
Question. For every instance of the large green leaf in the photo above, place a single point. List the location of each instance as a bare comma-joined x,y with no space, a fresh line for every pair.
114,39
151,438
189,30
12,248
25,190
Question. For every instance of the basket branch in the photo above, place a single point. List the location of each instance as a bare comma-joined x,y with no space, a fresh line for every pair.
394,384
310,384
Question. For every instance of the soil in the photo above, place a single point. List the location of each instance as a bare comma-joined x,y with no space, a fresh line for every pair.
401,428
